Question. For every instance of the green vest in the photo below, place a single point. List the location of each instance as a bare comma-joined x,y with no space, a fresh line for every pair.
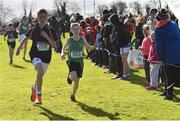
23,29
75,50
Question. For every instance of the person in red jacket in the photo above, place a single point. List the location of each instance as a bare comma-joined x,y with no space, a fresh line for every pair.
155,64
93,23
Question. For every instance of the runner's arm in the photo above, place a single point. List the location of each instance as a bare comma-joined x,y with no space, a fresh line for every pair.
5,35
89,47
64,49
50,41
19,27
28,35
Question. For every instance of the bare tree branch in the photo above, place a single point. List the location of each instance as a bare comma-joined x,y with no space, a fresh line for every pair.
118,6
24,7
101,8
74,7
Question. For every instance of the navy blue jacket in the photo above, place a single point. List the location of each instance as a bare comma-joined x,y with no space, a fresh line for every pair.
167,40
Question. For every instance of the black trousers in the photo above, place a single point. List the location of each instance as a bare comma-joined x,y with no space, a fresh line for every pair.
147,68
161,74
98,57
105,58
119,66
172,75
112,63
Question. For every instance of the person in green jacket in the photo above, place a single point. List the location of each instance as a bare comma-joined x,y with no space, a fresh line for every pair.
23,29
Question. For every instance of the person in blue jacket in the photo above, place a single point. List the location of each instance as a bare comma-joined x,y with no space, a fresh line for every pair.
167,40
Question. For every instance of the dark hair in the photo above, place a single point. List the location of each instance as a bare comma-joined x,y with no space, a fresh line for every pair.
24,17
77,14
42,11
98,27
153,10
82,23
105,11
53,18
10,24
114,19
111,11
87,20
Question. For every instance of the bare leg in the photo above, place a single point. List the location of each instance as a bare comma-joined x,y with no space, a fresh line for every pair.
40,74
11,51
25,49
73,76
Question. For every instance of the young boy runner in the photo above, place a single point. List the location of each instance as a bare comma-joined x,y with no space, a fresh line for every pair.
43,39
11,41
75,46
23,28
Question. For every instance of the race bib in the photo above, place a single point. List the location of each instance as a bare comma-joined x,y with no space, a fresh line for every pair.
42,46
76,54
24,28
11,40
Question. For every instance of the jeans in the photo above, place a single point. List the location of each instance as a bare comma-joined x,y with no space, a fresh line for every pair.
58,43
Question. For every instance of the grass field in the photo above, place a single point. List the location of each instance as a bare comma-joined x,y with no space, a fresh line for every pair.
99,97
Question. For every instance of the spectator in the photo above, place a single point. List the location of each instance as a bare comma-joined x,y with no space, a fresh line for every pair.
167,37
152,19
139,32
155,65
55,24
145,48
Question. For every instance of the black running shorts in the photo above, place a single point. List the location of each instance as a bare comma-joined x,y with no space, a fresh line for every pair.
11,44
76,66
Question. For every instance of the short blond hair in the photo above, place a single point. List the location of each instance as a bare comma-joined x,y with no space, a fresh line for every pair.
146,27
75,24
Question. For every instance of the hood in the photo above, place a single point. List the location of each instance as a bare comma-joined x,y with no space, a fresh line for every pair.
165,24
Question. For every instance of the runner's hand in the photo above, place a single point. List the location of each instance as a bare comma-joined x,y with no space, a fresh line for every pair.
18,51
63,57
105,39
43,34
95,45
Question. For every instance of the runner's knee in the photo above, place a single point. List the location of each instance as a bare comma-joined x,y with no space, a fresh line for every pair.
73,76
39,70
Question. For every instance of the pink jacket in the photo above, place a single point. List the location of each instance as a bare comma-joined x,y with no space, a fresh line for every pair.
145,47
153,57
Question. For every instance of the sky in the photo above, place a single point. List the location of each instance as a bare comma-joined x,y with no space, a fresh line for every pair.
16,5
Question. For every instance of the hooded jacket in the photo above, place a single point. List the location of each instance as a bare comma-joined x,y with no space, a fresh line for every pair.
167,41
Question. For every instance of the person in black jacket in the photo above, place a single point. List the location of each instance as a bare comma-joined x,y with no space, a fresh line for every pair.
139,32
57,27
106,32
120,42
43,40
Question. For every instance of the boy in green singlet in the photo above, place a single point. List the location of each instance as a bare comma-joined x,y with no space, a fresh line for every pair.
75,46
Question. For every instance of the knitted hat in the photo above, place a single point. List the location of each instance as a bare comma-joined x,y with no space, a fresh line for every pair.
162,14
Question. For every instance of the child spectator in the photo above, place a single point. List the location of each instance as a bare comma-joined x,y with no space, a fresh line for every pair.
145,48
154,66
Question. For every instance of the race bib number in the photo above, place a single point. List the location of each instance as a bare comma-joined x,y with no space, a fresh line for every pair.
76,54
42,46
24,28
11,40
